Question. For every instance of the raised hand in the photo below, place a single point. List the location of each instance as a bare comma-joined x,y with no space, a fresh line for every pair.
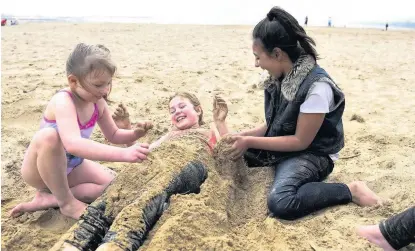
220,109
122,117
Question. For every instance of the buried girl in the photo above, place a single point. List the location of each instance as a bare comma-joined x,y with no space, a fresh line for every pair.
122,217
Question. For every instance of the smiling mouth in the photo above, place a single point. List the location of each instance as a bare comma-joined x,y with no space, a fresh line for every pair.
180,118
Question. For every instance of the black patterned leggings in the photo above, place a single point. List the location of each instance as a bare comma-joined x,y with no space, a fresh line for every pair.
399,230
129,229
298,189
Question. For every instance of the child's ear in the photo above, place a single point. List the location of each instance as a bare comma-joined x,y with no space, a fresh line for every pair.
198,109
73,81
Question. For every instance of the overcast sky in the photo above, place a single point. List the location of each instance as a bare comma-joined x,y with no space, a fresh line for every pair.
220,11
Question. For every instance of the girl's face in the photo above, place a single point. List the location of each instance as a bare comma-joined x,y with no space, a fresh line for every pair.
94,86
267,62
184,115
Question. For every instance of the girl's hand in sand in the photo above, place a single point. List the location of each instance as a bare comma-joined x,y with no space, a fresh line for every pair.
141,128
238,144
136,153
220,109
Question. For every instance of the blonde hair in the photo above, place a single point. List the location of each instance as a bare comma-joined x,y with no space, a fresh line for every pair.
85,59
193,100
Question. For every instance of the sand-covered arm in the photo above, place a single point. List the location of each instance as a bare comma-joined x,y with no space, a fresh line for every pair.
220,111
157,143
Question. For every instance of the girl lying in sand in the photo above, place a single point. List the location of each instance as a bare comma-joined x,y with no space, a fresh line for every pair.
186,115
122,217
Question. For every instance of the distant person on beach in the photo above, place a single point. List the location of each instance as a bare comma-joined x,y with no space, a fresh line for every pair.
60,160
394,233
329,23
386,26
303,133
306,21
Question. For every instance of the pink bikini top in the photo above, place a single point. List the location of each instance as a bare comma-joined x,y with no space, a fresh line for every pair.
86,129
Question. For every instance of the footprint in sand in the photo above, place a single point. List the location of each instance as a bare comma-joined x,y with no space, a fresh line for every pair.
53,219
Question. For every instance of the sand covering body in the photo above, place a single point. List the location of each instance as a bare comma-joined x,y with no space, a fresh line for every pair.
122,205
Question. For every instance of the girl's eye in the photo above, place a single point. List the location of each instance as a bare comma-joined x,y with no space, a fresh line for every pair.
103,85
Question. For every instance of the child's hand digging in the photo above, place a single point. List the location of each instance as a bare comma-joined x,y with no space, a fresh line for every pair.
141,128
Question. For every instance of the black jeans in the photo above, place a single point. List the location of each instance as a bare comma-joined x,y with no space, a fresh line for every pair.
297,190
399,230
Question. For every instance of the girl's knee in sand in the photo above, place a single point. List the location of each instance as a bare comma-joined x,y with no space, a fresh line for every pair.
45,143
44,140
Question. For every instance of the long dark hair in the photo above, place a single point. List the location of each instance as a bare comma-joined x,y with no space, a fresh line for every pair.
280,29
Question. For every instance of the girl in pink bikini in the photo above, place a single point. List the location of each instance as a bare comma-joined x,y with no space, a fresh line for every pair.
61,157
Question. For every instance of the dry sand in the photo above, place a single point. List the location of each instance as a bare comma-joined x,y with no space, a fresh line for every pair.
374,68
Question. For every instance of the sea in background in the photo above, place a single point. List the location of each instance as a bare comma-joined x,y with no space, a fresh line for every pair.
153,20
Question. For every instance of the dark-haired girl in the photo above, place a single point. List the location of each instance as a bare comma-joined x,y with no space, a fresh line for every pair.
303,133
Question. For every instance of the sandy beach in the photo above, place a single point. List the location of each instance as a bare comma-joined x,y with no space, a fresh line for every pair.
374,68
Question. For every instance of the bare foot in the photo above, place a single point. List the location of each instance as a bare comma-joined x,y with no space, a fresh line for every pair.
41,201
121,117
373,235
362,195
108,247
73,209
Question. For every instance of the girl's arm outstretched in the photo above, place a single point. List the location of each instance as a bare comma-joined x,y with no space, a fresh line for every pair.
69,132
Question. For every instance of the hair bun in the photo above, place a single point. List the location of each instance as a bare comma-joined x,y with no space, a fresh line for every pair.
102,47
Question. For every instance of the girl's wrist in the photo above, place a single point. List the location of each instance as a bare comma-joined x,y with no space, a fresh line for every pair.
137,135
117,155
248,141
240,134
